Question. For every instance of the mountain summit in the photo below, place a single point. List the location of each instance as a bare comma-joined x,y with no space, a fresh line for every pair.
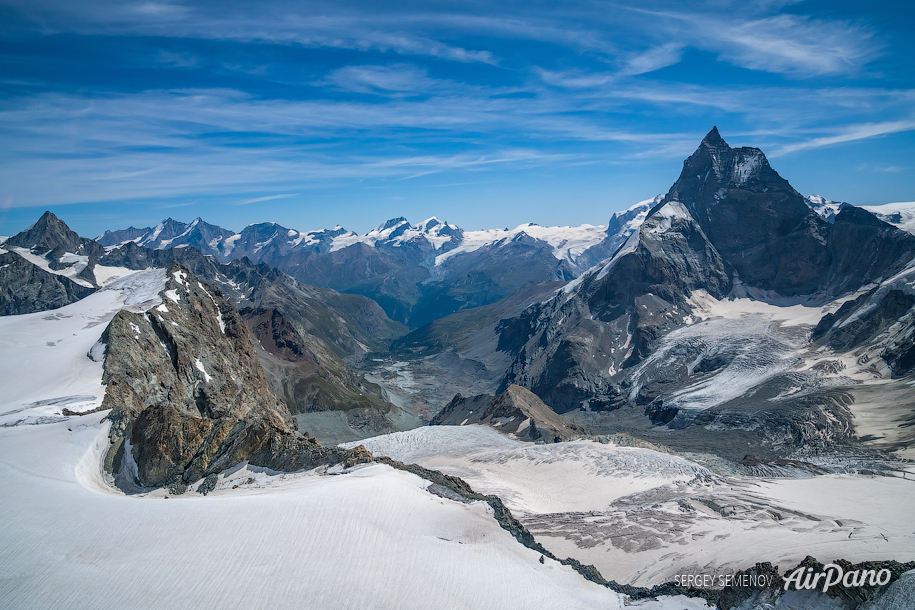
50,233
636,332
762,228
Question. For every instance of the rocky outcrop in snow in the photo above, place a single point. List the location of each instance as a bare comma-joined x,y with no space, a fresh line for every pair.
516,412
188,395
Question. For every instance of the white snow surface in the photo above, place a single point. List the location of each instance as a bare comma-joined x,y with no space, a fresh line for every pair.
369,538
566,242
641,517
106,275
200,368
665,216
431,229
529,476
70,272
826,208
901,214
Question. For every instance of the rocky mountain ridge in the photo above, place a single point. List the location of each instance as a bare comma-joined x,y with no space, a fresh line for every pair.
417,273
189,398
634,334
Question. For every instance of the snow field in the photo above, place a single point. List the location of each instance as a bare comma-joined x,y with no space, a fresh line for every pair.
370,538
641,517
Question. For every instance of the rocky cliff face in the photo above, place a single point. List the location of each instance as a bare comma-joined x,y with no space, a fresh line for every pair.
516,411
762,228
27,288
189,397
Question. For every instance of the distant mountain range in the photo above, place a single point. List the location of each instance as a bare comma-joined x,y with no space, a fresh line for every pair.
420,273
417,273
732,303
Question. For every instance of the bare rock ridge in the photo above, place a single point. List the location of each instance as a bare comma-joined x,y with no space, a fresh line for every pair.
27,288
189,398
516,411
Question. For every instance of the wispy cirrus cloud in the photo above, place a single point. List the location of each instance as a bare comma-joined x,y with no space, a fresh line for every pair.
267,198
204,98
849,133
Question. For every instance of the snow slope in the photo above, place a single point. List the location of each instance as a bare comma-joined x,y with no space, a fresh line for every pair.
44,361
901,214
642,517
369,538
70,272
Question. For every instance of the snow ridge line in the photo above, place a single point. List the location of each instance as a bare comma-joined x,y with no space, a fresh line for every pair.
507,521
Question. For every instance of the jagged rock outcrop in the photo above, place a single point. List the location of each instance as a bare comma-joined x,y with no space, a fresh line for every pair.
188,396
516,411
27,288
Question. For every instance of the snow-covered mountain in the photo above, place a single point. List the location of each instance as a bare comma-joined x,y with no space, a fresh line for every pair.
170,233
900,214
269,241
826,208
418,273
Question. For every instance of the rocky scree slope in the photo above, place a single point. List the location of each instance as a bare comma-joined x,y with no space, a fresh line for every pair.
307,375
188,397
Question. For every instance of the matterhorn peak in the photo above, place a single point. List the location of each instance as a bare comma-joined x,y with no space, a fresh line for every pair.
714,139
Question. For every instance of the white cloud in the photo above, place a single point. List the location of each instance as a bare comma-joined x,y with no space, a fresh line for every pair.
654,59
849,134
268,198
373,79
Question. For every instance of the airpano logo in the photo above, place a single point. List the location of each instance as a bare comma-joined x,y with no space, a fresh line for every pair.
804,578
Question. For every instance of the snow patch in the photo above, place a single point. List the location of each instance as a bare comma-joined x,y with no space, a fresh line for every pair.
200,368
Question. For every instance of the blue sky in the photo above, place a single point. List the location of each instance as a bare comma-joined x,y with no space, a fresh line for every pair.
117,113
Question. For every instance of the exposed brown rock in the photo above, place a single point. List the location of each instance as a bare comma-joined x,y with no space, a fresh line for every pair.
189,395
516,411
